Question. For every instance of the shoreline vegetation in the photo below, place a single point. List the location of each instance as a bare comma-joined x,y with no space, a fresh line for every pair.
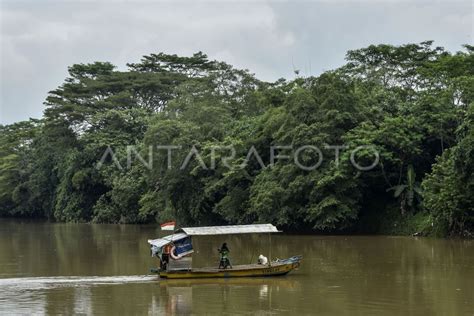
413,104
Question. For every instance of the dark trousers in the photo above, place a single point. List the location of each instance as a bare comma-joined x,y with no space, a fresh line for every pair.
224,263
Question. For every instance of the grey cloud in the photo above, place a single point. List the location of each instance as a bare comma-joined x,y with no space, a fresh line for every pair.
40,40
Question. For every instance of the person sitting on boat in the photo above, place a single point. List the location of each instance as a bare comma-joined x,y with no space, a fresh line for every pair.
262,260
224,252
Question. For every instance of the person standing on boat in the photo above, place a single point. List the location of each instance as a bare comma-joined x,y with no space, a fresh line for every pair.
165,257
224,252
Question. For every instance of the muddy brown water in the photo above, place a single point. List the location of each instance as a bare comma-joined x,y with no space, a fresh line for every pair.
87,269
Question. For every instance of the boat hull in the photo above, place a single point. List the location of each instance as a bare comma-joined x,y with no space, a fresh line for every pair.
277,268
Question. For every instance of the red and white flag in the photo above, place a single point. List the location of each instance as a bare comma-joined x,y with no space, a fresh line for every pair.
168,225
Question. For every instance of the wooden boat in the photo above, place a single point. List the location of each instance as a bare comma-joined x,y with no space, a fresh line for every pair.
280,267
179,265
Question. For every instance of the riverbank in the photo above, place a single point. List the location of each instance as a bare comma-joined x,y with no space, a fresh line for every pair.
389,222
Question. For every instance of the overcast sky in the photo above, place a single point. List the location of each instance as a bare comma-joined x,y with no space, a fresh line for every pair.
40,39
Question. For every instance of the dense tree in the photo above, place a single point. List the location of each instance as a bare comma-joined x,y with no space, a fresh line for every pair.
15,155
235,155
449,189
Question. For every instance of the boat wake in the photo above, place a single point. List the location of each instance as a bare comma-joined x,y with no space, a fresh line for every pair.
35,283
31,295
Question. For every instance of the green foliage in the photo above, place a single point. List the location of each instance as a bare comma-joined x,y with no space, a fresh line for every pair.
15,148
449,188
410,103
408,191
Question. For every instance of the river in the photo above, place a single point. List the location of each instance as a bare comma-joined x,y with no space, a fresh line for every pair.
88,269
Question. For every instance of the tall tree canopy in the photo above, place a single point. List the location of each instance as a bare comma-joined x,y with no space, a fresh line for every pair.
240,138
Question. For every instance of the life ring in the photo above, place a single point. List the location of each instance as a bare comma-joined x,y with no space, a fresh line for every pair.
172,254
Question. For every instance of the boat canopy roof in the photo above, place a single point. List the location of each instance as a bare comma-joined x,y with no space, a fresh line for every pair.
160,242
213,230
230,229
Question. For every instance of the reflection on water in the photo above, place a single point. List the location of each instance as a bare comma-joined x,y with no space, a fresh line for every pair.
98,269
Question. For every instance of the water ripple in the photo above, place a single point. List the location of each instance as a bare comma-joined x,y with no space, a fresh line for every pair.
34,283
